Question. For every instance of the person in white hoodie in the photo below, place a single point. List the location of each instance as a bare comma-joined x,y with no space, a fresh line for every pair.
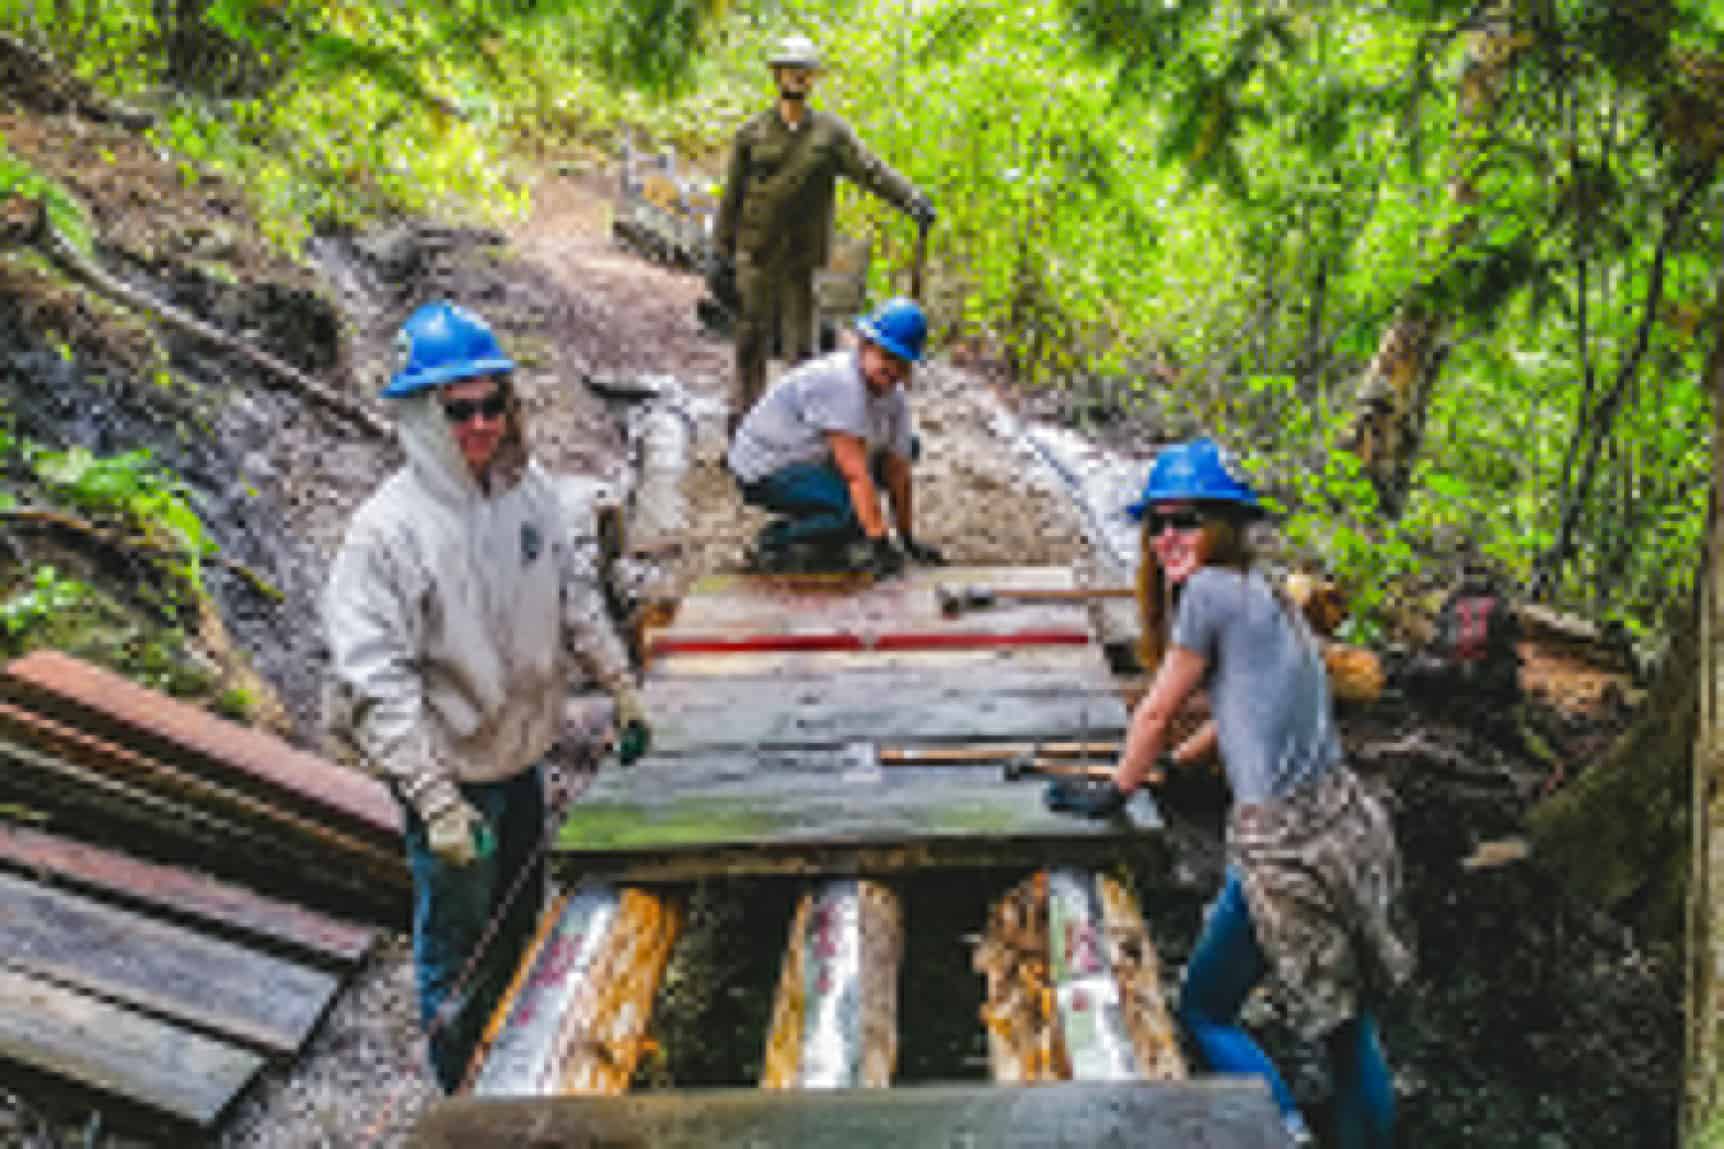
459,611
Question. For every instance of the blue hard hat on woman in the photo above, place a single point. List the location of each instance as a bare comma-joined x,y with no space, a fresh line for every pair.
898,326
444,343
1198,471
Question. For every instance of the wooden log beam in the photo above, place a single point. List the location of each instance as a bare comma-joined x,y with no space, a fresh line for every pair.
835,1016
1073,990
575,1021
1130,954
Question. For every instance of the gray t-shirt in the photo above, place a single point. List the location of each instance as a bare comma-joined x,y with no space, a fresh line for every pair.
1267,685
791,421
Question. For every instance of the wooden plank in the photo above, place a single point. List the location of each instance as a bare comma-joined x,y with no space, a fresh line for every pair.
66,740
77,1038
780,605
163,727
189,897
825,713
1215,1113
88,799
188,978
686,809
1053,663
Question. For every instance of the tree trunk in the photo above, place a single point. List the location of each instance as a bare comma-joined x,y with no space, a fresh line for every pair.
1396,387
1704,1097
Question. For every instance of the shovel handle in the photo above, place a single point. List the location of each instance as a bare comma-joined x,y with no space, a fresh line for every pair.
918,262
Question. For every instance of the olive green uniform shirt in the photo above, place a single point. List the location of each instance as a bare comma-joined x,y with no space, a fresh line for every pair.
779,191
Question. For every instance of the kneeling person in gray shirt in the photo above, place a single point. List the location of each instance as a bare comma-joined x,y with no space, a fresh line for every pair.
816,447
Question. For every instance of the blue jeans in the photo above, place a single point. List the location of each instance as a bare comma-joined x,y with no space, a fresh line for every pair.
815,500
1224,967
452,908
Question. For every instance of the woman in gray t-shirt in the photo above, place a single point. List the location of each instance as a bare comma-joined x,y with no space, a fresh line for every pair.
1312,867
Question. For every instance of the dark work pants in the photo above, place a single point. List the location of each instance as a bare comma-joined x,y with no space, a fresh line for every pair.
815,503
777,303
454,905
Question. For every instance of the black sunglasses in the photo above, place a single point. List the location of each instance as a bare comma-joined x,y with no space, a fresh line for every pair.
1188,519
491,406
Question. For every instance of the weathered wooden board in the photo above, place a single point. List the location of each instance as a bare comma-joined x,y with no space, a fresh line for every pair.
1050,663
689,718
185,896
801,604
81,797
198,981
165,728
116,1051
678,815
1215,1113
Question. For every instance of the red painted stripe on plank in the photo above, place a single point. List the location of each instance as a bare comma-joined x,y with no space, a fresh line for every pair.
891,641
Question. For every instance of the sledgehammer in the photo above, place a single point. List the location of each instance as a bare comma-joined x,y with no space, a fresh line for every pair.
1014,769
956,600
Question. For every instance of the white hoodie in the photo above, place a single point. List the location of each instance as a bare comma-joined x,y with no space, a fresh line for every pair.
456,617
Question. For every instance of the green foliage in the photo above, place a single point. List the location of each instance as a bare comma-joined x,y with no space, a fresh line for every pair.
45,597
68,216
132,487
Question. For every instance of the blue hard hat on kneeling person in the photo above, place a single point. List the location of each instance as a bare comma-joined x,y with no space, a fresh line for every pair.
897,326
443,343
1199,471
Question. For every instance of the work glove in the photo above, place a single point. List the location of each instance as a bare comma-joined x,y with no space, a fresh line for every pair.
458,834
634,734
922,211
925,553
1083,797
884,559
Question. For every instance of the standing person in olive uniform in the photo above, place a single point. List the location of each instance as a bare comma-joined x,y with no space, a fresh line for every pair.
775,221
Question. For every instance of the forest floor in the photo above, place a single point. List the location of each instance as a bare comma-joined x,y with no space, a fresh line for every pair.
1534,1021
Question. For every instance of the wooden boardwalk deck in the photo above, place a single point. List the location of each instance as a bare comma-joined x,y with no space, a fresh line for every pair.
768,754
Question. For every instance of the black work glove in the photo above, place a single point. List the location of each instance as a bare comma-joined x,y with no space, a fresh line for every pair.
922,211
884,559
1083,797
925,553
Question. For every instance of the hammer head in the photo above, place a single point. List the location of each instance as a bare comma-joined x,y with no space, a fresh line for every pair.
1017,766
955,600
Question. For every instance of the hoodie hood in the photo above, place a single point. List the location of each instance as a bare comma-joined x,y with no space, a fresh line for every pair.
435,457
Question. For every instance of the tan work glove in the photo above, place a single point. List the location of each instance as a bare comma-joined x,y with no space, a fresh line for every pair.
458,833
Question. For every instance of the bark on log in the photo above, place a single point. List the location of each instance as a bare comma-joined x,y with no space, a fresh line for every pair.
1131,954
1024,1043
835,1017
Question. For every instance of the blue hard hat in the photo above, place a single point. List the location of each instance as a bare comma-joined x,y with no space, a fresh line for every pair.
898,326
443,343
1199,471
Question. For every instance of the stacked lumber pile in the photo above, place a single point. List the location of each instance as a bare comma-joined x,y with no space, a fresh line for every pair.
187,898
